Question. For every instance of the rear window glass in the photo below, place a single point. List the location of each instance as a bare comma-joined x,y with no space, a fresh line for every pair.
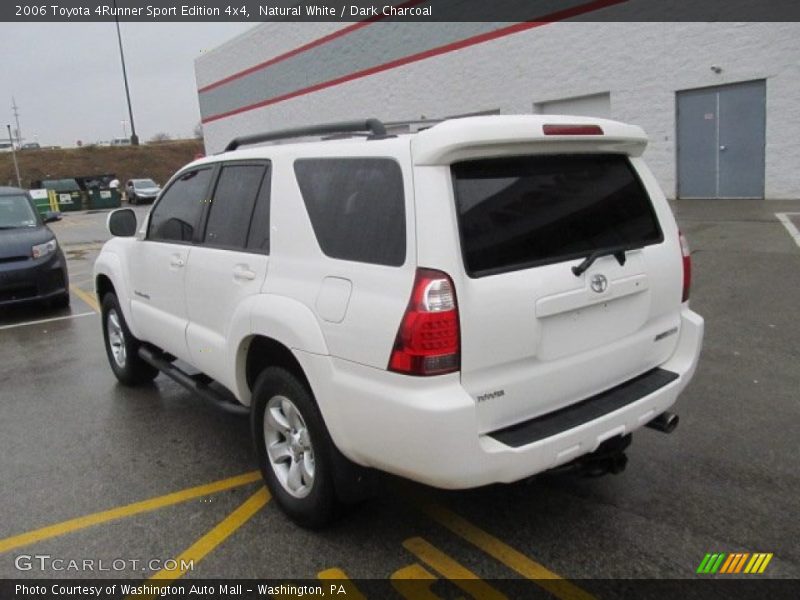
356,207
519,212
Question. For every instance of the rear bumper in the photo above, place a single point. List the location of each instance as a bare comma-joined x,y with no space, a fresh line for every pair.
425,429
33,280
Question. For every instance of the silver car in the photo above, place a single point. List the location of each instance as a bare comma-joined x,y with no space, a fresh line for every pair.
141,190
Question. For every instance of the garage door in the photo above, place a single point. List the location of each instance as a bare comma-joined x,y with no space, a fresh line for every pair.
721,141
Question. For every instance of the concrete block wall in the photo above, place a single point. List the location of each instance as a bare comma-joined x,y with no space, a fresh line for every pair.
641,65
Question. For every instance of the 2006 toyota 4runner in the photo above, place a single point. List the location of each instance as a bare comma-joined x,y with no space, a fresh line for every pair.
477,302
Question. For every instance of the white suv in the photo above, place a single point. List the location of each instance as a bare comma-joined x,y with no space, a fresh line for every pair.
478,302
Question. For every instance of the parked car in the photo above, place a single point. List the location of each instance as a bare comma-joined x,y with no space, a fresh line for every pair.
32,265
31,146
141,190
475,303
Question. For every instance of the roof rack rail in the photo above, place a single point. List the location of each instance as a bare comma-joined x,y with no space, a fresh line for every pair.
374,126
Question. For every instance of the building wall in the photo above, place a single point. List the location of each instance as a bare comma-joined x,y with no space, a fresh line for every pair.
407,71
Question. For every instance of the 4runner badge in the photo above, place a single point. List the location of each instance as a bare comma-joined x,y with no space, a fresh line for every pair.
491,395
599,283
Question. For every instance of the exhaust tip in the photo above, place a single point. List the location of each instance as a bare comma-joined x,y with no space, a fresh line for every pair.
666,422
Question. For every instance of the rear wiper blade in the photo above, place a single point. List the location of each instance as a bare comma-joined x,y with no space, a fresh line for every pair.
617,252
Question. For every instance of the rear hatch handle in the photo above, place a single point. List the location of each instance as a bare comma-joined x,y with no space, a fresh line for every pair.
617,252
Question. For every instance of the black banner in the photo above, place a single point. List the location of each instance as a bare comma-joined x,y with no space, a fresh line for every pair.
399,10
748,587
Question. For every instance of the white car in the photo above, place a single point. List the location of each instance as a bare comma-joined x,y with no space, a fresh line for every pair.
475,303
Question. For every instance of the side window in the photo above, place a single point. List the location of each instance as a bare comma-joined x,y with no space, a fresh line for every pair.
232,205
356,207
258,240
177,213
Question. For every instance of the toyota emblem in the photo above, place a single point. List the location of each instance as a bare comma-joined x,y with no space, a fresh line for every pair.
599,283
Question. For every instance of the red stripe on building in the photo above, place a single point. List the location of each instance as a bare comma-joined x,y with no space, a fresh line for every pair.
300,49
447,48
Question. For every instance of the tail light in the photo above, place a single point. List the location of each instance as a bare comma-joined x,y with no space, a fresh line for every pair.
428,340
687,267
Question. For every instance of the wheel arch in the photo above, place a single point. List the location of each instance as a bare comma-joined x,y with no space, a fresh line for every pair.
276,328
108,278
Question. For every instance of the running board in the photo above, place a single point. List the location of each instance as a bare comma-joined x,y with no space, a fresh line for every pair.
197,384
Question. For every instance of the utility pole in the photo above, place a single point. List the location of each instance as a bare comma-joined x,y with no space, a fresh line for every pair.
134,137
14,107
14,154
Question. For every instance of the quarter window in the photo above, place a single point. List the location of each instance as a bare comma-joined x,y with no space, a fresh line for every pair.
356,207
177,214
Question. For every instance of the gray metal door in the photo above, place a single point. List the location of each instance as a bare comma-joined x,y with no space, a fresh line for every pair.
721,141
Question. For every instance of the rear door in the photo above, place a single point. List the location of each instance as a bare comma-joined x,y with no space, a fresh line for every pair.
229,265
536,335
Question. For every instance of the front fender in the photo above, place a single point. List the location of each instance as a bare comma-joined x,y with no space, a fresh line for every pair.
110,264
282,319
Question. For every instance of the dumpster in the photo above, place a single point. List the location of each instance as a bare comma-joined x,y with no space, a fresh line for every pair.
68,193
99,192
44,201
99,198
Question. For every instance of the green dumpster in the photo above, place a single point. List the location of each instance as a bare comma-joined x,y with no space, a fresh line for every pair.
41,198
99,198
68,193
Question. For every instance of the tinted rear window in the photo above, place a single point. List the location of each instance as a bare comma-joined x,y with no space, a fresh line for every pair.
356,207
519,212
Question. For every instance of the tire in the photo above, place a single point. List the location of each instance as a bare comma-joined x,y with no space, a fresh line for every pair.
122,348
295,429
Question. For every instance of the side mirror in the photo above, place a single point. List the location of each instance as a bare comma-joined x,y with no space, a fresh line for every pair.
51,216
122,222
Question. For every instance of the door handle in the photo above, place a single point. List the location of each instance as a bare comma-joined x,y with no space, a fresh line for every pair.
243,272
176,261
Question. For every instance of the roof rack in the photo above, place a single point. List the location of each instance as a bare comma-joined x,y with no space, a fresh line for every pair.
375,128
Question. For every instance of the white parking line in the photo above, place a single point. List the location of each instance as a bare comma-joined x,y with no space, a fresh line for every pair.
26,323
787,222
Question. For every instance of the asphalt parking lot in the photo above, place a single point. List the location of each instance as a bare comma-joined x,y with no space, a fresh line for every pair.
158,474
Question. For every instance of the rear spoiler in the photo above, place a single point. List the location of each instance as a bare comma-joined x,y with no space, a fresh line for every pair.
491,136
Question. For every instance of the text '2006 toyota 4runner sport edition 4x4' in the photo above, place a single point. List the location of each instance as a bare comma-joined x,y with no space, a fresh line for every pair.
474,303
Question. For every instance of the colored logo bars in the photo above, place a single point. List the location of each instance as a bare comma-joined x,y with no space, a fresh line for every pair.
737,562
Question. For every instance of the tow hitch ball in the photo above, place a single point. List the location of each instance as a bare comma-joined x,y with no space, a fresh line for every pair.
608,458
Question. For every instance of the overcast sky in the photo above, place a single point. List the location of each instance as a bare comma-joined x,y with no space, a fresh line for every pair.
67,78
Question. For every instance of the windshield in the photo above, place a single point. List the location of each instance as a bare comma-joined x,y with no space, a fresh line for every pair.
144,183
16,211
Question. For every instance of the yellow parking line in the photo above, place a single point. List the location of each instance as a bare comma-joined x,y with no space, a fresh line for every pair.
414,583
129,510
339,576
222,531
451,569
86,297
515,560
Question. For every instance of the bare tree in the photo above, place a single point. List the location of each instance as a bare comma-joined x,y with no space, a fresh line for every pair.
198,131
161,137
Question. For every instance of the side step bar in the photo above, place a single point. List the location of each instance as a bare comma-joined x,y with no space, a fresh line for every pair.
198,384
